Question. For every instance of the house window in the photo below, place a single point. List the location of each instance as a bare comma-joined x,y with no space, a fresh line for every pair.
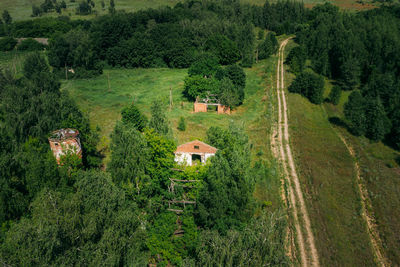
56,144
196,147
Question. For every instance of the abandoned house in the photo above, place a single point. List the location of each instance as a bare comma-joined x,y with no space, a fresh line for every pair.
205,104
193,152
63,141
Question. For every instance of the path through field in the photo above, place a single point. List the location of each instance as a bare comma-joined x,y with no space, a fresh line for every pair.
367,215
281,148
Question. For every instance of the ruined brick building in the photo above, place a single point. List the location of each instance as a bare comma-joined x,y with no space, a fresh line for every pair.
65,141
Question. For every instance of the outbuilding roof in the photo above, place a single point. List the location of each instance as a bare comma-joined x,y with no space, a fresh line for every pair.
196,146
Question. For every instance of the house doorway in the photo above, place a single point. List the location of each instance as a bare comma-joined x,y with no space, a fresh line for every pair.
196,159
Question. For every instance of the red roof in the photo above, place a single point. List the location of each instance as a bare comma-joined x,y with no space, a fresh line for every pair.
195,146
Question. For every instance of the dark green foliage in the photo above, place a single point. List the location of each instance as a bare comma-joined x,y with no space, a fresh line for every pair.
42,27
258,244
94,226
74,50
225,199
182,124
30,45
198,86
84,8
268,47
129,156
354,110
238,77
335,94
227,93
7,43
111,9
36,11
225,49
205,65
297,59
310,85
6,17
158,119
378,124
132,116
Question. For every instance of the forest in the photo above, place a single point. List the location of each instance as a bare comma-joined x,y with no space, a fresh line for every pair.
81,212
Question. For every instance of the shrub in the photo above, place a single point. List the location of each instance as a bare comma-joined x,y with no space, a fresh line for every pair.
7,43
30,45
182,124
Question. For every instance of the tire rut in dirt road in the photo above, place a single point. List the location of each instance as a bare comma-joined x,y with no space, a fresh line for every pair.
298,206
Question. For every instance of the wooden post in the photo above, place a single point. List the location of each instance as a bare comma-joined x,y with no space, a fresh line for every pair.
108,79
170,99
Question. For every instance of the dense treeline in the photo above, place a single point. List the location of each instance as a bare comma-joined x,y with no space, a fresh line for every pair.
361,51
167,37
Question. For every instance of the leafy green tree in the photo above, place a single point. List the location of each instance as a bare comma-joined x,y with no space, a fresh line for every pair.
132,116
129,157
310,85
84,8
354,111
225,199
238,77
111,9
377,124
6,17
182,124
268,47
225,49
335,94
95,225
206,66
7,43
198,86
228,95
297,59
159,121
36,11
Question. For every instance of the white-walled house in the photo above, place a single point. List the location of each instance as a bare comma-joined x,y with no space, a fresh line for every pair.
194,151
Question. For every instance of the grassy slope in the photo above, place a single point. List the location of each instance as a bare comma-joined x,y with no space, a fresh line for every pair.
380,174
22,9
328,181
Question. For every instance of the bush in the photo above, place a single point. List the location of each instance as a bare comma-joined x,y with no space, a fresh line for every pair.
7,43
30,45
182,124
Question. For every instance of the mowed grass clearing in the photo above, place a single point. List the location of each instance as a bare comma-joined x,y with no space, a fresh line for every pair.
327,175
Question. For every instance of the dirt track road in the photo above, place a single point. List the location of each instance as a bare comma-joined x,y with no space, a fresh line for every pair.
281,148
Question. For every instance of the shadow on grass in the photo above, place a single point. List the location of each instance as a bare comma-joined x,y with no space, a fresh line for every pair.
338,122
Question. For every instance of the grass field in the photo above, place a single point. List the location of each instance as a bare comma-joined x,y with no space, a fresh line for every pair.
22,9
380,173
327,175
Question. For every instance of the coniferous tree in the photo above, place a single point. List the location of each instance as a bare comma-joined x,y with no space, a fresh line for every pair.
132,116
159,121
335,94
377,123
354,111
6,17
